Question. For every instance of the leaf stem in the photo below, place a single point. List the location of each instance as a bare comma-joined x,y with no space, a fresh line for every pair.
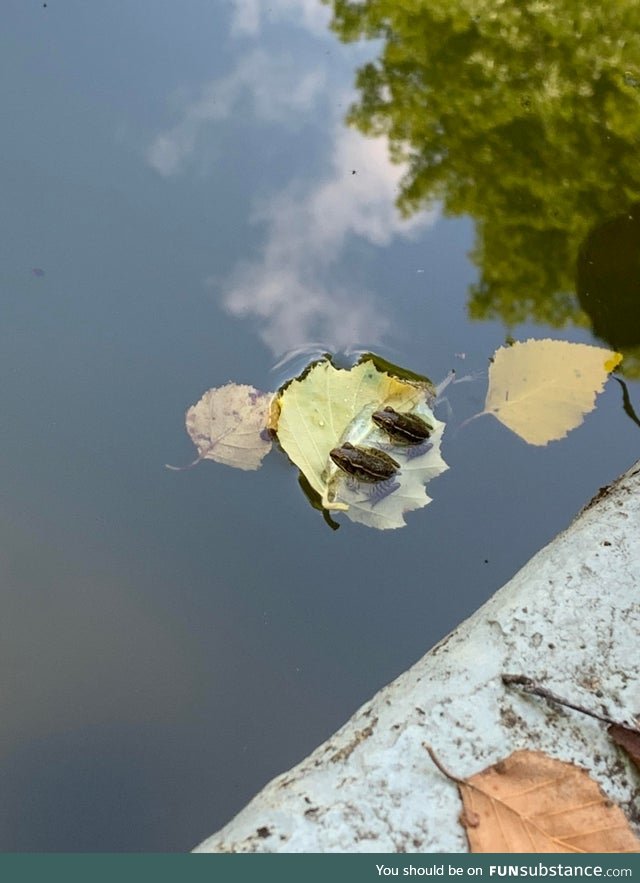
530,686
445,772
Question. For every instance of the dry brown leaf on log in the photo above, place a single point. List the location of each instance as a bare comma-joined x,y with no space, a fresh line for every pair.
530,802
627,739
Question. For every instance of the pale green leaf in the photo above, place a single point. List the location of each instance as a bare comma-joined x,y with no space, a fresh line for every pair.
329,406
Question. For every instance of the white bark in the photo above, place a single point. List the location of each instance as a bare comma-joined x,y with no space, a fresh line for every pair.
569,619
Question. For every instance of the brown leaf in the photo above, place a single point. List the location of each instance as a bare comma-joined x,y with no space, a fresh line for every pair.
627,739
469,819
532,803
228,425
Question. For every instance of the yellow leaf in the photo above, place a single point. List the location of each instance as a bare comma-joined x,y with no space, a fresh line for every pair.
541,389
329,406
316,410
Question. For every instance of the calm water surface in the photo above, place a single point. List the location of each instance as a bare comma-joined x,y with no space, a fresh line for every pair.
183,203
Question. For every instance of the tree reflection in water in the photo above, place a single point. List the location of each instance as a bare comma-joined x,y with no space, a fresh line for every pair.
525,116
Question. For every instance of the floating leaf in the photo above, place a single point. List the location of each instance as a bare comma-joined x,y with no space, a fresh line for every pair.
530,802
383,506
329,406
228,425
541,389
316,411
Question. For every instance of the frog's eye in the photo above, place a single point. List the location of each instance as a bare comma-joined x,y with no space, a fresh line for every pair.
348,446
389,410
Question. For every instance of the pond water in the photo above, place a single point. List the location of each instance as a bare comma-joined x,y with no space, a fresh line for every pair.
183,205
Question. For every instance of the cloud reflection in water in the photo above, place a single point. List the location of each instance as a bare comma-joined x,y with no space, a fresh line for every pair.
301,286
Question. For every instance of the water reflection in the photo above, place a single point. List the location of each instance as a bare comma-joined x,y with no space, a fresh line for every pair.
250,16
526,118
294,288
273,90
608,281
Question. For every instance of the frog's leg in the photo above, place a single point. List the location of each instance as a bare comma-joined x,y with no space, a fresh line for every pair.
411,451
396,449
377,492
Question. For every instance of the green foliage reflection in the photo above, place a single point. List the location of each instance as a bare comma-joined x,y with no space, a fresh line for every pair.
524,114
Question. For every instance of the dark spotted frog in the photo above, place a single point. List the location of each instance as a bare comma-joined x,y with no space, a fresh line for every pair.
404,429
364,463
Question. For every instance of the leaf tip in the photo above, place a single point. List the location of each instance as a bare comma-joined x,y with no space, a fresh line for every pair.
612,362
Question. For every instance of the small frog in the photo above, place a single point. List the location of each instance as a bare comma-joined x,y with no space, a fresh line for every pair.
404,429
363,463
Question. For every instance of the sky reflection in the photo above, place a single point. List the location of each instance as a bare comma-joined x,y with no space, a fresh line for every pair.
300,285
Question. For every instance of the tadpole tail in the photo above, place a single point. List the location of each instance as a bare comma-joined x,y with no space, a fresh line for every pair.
183,468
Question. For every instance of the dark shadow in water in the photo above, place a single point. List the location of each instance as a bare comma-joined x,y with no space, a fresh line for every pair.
608,280
626,402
